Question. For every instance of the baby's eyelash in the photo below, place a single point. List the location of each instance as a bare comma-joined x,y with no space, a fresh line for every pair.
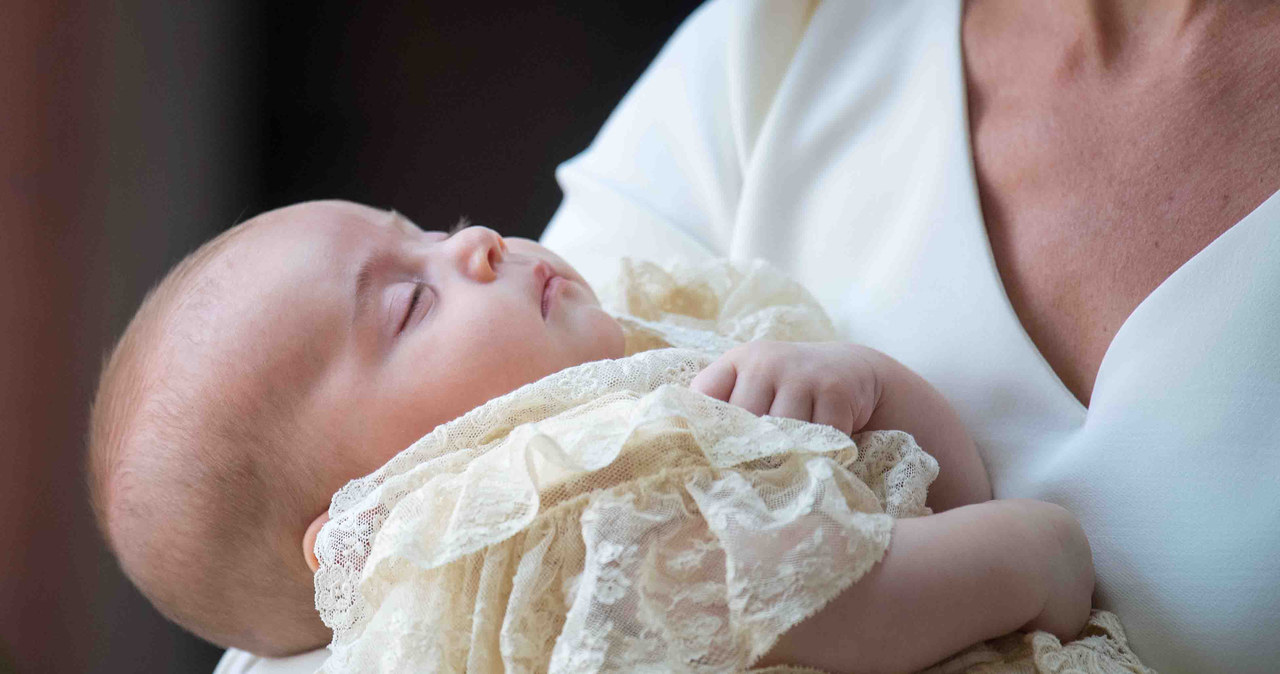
413,305
463,223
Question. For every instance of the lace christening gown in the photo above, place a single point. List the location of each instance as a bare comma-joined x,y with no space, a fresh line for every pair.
607,518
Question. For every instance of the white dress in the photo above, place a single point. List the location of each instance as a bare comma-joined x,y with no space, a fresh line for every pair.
832,140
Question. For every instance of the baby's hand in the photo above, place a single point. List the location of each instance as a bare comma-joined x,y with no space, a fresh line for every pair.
829,383
853,388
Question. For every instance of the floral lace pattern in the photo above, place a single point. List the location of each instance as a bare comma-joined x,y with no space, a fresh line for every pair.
607,518
1101,648
632,529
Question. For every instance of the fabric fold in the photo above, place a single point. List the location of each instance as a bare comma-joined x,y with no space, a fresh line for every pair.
607,518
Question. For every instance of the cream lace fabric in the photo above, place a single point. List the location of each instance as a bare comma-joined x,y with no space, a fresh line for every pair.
607,518
1100,648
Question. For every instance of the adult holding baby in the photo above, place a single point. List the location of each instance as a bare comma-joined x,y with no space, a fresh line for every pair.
1063,216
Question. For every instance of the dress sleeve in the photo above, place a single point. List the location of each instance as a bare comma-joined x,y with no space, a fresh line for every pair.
662,179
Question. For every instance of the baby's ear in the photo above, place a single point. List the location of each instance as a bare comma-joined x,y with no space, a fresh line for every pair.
309,540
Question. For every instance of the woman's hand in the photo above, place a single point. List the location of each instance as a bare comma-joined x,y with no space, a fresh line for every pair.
827,383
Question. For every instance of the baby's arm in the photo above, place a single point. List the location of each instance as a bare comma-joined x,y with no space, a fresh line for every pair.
909,403
974,571
853,388
949,581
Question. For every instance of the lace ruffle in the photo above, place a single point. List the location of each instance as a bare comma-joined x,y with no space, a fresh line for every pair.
632,529
606,518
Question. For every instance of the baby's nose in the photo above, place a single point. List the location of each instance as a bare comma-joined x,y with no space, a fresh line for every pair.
478,251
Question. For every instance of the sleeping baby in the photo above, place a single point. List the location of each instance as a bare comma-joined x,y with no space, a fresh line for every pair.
699,480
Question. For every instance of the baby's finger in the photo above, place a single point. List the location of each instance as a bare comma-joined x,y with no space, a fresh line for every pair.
794,402
716,380
834,411
752,394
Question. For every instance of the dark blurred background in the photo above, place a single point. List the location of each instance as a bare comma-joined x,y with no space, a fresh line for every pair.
132,131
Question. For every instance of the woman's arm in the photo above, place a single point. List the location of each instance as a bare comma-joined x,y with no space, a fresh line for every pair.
949,581
663,179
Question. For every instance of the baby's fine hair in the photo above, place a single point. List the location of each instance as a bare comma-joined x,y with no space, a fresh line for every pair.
192,481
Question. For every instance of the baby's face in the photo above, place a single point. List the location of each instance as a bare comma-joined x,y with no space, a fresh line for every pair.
392,330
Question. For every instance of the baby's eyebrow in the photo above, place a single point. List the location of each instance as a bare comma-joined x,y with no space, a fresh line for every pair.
365,275
402,223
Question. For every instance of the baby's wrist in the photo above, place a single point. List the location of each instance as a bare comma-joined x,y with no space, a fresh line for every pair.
864,361
1064,568
1027,588
895,385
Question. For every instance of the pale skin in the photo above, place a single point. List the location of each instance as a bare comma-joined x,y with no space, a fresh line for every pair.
950,580
386,330
854,389
976,571
1113,140
413,328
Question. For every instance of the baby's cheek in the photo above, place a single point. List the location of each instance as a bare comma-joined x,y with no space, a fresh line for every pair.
613,340
597,336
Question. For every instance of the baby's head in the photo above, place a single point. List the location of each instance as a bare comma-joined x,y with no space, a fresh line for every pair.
297,351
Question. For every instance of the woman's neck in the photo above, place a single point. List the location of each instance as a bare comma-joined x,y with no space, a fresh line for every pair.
1112,37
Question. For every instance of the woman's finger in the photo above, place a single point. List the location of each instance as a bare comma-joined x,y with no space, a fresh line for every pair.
716,380
793,402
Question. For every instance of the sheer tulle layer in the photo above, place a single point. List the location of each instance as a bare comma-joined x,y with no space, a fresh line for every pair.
607,518
661,529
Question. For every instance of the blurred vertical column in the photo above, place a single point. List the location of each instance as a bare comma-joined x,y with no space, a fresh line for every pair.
126,138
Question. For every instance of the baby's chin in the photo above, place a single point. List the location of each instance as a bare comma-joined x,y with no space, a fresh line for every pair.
598,335
616,340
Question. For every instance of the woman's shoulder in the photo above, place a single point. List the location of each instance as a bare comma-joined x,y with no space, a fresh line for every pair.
740,94
662,177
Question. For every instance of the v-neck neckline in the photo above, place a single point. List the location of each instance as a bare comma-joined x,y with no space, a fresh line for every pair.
972,196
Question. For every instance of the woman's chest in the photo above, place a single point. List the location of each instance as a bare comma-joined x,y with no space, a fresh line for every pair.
1092,201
